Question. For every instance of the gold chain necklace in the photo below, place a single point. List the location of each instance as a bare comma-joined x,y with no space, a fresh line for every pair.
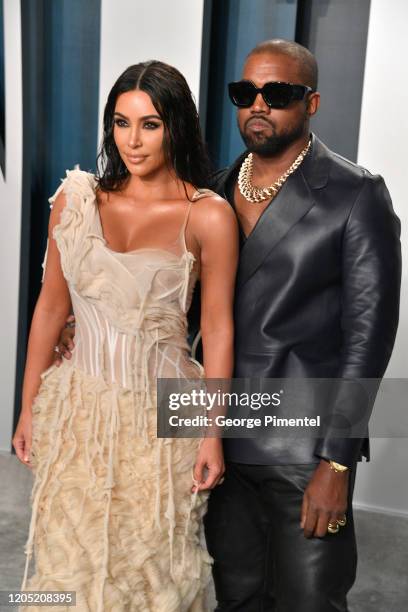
259,194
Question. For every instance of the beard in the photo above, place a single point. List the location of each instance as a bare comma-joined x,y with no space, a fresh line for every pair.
272,144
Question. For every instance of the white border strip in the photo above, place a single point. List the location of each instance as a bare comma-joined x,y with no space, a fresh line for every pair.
10,217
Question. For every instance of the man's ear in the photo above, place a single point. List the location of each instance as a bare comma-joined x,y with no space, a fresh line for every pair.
313,103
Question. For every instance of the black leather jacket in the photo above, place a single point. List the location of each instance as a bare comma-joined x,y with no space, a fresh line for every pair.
317,292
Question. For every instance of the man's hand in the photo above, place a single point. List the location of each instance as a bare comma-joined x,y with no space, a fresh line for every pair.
324,500
66,341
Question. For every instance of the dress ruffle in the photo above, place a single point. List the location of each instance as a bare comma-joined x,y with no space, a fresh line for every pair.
104,504
69,234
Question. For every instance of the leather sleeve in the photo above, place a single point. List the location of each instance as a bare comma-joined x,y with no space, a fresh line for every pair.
371,277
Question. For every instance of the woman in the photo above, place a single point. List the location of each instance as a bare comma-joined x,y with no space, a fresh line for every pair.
116,513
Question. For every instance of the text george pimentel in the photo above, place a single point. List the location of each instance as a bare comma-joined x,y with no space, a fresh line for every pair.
246,422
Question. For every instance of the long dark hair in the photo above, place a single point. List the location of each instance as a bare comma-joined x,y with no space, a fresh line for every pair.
184,148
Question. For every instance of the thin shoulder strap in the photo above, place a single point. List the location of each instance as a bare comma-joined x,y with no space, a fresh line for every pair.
197,195
202,193
183,227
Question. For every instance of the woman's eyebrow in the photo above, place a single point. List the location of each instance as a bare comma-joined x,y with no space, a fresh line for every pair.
144,117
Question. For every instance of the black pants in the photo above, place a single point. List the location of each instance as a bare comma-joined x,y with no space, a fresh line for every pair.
262,561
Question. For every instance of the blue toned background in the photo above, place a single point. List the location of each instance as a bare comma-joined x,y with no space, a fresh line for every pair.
237,26
334,30
60,74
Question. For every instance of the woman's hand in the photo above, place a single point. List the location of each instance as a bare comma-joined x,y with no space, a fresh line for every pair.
22,438
65,342
209,467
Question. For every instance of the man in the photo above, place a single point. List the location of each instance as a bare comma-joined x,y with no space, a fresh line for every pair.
317,296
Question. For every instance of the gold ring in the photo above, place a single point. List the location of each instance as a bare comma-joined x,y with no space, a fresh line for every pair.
343,521
333,527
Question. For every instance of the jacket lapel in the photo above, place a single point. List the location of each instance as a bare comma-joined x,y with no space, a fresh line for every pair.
292,203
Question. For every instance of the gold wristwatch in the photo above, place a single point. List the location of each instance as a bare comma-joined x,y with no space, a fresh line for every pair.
337,467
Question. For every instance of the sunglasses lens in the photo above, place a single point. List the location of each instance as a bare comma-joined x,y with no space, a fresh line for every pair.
242,93
278,95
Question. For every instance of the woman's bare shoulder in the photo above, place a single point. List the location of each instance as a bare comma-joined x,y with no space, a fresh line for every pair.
212,206
214,221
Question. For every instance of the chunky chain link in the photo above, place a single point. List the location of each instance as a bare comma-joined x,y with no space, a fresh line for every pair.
259,194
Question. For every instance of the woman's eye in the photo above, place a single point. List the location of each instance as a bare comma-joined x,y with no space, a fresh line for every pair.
120,122
150,125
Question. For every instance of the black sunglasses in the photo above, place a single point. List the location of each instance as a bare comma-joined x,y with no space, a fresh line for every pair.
276,94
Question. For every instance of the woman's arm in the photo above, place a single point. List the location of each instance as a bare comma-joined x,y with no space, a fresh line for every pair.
219,258
53,306
216,232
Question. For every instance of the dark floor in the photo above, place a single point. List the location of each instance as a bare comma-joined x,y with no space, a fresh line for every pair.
382,580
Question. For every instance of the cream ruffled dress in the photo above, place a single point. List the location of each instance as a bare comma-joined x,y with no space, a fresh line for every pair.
113,516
